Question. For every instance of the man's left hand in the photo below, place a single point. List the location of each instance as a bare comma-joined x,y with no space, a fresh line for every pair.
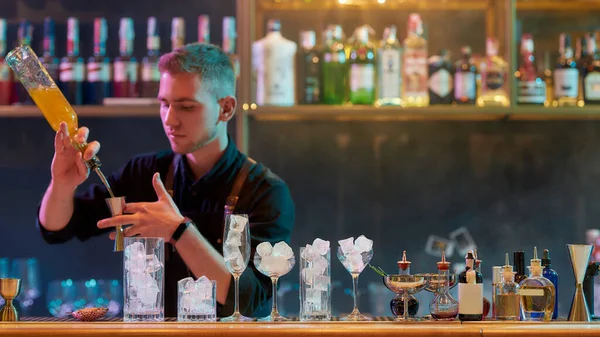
148,219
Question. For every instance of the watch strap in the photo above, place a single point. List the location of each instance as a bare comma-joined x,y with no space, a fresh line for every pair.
179,231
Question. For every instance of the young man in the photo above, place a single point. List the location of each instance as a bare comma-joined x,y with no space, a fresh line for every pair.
197,100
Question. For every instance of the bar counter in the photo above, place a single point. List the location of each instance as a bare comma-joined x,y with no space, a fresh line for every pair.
32,327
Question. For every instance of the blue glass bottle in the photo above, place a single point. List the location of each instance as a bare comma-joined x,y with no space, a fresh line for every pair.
551,275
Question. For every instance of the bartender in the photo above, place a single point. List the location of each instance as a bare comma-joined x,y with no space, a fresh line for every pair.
179,194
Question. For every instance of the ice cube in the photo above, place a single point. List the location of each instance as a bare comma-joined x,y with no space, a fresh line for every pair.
309,253
140,279
308,275
321,282
153,264
264,249
275,265
187,302
237,264
320,264
321,246
313,296
354,263
186,284
282,249
238,223
149,296
136,250
347,245
362,244
231,252
234,238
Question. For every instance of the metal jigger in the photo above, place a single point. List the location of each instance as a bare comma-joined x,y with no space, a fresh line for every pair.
580,256
9,289
116,206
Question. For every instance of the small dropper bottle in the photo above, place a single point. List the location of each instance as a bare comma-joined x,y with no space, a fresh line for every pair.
507,295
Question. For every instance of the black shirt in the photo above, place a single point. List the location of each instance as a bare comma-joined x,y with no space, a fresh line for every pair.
264,197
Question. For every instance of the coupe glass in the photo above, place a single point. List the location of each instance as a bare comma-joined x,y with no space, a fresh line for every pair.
236,252
355,269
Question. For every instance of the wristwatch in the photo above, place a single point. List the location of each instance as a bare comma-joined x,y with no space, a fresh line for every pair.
180,230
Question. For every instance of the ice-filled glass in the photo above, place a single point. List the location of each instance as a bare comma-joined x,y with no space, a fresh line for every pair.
315,284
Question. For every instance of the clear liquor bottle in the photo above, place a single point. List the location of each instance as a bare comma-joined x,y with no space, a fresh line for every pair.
590,72
362,69
150,75
415,74
566,74
493,71
507,299
310,68
389,69
465,79
531,89
470,292
441,79
334,67
537,293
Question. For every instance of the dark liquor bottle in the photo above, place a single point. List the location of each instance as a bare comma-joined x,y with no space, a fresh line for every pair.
24,35
441,79
72,66
6,82
98,85
126,66
519,263
150,74
531,89
470,292
590,72
204,29
465,79
310,69
566,74
229,43
49,59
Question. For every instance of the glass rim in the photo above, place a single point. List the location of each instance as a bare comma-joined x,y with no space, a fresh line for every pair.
17,49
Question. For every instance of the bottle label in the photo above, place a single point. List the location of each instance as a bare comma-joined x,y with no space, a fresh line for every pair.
72,72
415,73
533,92
531,292
465,86
470,299
98,72
440,83
592,86
390,75
362,77
4,72
126,71
494,80
566,82
150,72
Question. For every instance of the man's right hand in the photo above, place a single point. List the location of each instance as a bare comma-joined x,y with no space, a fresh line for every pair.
68,165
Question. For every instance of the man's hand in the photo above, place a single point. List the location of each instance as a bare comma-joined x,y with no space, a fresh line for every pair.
148,219
68,165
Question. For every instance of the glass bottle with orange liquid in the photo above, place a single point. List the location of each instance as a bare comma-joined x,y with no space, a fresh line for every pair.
53,105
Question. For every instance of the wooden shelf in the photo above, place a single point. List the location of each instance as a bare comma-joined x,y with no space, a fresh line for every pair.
433,113
321,5
85,111
559,5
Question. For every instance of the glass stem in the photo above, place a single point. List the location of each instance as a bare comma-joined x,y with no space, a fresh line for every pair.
355,287
236,280
405,313
274,310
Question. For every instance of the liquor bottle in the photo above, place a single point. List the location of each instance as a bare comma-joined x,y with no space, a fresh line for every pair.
465,79
273,61
335,67
548,80
229,43
551,275
537,293
49,59
415,76
389,69
531,89
507,300
496,280
486,303
177,33
310,72
566,74
98,85
362,69
519,262
441,79
72,66
126,66
6,82
20,95
150,75
204,29
582,56
493,71
470,292
590,72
